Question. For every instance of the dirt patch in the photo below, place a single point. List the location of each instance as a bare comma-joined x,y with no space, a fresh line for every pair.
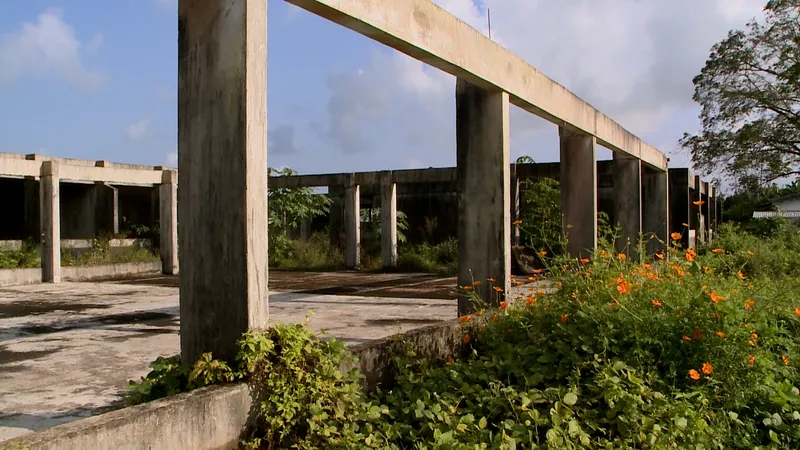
10,356
157,320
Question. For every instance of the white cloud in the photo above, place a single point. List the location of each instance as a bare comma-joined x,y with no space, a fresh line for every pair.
138,131
281,139
48,47
631,59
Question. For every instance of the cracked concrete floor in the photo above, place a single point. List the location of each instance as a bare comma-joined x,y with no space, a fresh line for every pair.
67,351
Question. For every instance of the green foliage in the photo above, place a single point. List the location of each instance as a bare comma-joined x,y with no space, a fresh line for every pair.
102,253
749,91
775,257
540,213
441,258
316,254
28,256
371,223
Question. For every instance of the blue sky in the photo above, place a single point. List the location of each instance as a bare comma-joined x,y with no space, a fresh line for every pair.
98,79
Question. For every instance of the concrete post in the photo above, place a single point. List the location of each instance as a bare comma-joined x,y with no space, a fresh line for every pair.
710,211
388,221
656,209
305,230
168,221
50,211
578,191
352,224
484,204
627,175
336,216
698,224
516,208
222,155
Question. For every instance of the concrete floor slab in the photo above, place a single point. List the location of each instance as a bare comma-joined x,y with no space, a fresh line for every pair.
67,351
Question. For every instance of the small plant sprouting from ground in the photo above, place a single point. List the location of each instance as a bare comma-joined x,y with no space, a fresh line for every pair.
103,253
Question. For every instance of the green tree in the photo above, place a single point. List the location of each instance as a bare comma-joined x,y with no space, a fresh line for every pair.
749,91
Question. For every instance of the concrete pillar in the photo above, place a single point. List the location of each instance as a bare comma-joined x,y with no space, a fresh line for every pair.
222,155
484,204
31,208
698,221
336,216
50,220
516,208
352,224
388,221
168,220
680,182
578,191
710,211
655,222
627,175
305,230
106,214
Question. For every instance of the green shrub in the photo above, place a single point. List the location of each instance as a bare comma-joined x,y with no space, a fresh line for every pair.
28,256
316,254
102,253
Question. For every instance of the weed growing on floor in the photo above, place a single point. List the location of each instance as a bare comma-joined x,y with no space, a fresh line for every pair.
102,253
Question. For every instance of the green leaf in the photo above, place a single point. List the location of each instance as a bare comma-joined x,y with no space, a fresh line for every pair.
570,399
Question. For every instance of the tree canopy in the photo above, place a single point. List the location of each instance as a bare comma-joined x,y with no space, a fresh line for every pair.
749,91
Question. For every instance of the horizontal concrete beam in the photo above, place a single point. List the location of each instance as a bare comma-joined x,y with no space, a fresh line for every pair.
424,31
80,171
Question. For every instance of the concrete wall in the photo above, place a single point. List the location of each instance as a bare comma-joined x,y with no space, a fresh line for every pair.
105,271
11,277
213,418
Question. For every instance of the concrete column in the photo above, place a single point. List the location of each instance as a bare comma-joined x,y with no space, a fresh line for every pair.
352,225
484,204
106,202
222,155
578,191
627,176
516,208
31,208
336,216
50,220
710,211
388,221
305,230
656,209
698,221
168,220
680,182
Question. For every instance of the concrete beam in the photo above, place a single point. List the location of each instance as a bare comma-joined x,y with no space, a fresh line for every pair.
352,225
168,222
425,31
81,173
50,221
656,210
578,191
222,155
628,203
484,219
388,222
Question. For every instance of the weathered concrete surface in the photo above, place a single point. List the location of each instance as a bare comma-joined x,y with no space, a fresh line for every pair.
628,203
484,216
50,222
104,271
222,155
10,277
168,220
656,209
388,221
84,341
352,225
578,191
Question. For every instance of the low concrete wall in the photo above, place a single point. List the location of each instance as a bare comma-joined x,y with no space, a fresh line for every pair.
213,418
9,277
85,273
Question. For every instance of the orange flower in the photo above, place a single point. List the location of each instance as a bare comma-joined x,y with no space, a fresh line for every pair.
747,325
517,222
494,316
537,271
660,255
749,304
752,343
543,253
708,369
740,275
623,287
749,253
584,260
464,319
720,334
520,283
718,250
698,203
497,288
755,335
502,306
490,280
797,312
690,254
647,266
475,283
675,236
698,334
531,279
564,318
716,298
622,257
693,374
686,338
785,360
467,288
450,361
685,224
531,300
751,360
656,303
467,338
